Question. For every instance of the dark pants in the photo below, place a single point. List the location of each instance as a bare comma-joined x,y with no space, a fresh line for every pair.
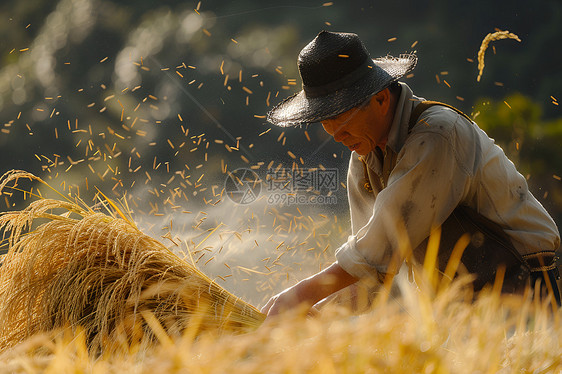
489,249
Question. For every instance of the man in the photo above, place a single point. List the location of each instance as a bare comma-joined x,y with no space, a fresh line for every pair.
413,167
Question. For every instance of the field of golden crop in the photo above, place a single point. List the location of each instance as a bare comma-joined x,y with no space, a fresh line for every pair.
411,334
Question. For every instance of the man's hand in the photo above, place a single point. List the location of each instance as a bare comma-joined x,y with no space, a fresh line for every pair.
286,300
309,291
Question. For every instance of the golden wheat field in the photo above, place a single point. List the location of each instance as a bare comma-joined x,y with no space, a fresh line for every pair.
413,335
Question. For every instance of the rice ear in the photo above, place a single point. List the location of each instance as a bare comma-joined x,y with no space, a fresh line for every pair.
100,273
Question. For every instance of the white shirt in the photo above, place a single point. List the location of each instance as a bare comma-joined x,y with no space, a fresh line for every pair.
444,162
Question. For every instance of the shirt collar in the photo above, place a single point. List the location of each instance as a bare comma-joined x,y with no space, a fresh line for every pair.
399,128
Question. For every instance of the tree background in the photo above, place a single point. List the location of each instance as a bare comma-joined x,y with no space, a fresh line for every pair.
154,100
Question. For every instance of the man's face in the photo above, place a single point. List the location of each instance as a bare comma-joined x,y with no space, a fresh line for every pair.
361,128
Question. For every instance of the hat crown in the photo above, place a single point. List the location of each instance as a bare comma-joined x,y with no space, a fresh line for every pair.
337,74
329,57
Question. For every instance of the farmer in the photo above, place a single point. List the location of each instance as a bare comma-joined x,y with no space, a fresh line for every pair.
414,166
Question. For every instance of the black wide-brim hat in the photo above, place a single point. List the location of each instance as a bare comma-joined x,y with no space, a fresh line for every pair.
337,74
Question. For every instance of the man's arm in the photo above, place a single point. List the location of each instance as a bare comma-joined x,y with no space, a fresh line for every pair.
310,290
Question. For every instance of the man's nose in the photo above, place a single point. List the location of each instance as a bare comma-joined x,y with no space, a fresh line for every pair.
339,135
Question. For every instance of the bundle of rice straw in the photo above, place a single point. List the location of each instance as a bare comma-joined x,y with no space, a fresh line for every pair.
98,273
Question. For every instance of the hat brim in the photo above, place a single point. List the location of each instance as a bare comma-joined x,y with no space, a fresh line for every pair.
300,109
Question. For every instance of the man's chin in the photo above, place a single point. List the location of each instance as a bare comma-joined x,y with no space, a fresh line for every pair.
360,148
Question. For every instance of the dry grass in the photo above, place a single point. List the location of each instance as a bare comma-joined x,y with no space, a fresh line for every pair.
417,333
97,271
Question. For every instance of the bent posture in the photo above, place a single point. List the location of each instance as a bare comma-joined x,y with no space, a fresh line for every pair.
415,165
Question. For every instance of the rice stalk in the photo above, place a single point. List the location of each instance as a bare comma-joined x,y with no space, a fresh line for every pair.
494,334
484,45
98,273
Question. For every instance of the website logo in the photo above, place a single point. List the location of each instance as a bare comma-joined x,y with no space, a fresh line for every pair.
242,186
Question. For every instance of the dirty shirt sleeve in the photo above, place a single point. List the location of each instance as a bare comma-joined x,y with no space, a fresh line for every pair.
427,183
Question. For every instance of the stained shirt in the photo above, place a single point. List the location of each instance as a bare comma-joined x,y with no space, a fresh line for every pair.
422,176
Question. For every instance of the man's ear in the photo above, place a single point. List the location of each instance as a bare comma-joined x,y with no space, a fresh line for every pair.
383,100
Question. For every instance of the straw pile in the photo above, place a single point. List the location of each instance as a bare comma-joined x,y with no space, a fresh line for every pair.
68,266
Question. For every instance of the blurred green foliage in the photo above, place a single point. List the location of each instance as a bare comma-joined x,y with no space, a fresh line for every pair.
532,142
